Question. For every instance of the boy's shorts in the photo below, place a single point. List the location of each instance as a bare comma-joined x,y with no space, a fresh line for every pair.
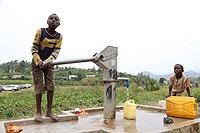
42,78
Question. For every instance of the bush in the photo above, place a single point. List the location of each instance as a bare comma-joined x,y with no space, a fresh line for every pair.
90,81
197,95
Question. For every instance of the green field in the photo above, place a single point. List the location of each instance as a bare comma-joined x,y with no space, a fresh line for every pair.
21,104
16,82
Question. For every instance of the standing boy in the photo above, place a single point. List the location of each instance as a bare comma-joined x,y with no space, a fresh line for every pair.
46,47
178,82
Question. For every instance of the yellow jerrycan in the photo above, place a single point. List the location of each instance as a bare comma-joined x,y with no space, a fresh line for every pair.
129,110
181,106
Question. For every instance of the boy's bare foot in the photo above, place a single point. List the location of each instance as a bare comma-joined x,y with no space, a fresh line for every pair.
53,117
38,118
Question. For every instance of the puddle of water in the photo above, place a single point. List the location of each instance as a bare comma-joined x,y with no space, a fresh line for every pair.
146,121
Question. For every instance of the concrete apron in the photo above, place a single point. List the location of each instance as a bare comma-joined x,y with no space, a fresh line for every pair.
182,126
31,121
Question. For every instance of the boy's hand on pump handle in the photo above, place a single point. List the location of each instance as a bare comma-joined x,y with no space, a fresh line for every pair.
48,63
43,64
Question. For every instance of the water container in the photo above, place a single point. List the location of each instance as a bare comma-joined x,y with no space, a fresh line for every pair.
129,110
181,106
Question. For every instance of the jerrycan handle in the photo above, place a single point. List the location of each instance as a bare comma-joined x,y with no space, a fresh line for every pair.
131,101
196,105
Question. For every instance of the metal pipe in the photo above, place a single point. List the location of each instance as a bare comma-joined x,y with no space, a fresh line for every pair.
73,61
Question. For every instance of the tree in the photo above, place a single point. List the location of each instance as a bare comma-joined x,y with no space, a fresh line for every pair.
146,82
162,80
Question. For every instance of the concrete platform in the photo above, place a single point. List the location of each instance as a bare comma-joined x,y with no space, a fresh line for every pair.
31,121
148,119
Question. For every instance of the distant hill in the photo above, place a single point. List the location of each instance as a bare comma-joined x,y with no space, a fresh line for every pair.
157,77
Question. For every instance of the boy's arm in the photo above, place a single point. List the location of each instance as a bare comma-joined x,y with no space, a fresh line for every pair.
187,85
35,47
171,80
37,59
170,89
188,91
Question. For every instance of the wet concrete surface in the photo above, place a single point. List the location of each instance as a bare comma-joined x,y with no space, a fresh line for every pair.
146,121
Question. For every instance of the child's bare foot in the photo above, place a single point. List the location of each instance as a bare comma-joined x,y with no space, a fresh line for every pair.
38,118
53,117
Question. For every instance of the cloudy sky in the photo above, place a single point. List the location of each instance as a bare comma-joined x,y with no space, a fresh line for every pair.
151,35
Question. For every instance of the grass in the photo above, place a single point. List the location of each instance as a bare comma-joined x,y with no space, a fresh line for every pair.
21,104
